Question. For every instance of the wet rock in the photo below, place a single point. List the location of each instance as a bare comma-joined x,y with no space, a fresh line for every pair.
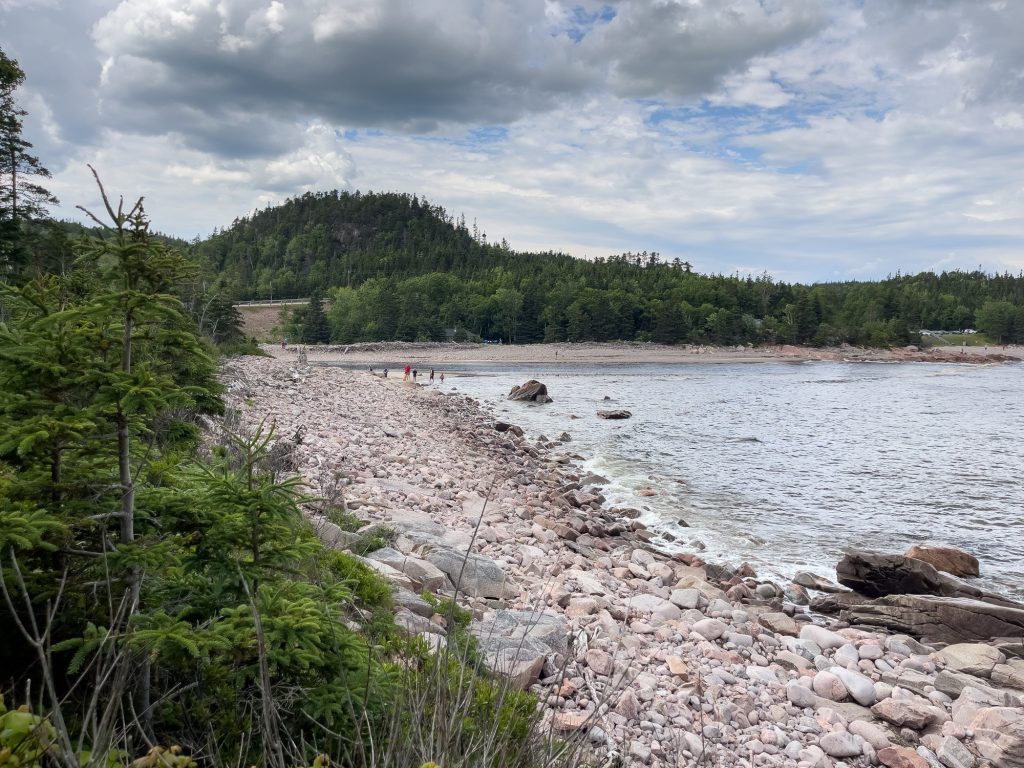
504,426
531,390
814,581
947,559
877,575
616,414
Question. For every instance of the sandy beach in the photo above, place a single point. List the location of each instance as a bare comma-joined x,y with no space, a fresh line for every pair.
654,659
391,354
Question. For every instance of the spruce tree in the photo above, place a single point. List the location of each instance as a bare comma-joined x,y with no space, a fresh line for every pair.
22,198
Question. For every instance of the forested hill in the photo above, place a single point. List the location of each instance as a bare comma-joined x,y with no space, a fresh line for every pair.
393,266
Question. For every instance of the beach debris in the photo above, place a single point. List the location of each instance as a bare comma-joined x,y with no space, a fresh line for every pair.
532,390
616,414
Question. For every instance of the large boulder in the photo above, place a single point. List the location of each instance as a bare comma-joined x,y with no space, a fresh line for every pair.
975,659
616,414
877,575
517,644
940,619
532,390
424,575
947,559
472,575
999,736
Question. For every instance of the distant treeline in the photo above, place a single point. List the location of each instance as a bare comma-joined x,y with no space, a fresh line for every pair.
394,267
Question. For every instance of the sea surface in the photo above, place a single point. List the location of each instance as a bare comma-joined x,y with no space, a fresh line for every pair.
786,465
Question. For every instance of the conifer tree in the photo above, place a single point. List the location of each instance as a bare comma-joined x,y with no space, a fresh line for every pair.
22,198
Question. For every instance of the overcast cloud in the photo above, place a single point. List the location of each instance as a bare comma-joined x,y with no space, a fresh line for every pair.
814,139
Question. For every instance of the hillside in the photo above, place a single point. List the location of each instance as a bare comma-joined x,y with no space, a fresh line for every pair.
399,268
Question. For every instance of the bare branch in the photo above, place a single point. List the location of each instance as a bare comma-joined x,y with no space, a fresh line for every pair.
116,218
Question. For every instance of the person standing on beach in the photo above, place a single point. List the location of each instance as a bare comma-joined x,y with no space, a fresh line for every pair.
413,375
431,375
405,376
442,377
385,373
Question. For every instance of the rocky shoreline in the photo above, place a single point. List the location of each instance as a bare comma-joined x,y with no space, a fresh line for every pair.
654,659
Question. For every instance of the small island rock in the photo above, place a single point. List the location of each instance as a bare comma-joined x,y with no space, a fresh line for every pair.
532,390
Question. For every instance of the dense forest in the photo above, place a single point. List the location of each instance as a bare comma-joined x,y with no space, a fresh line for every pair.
394,267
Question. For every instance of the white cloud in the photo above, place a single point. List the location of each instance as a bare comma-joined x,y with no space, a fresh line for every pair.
814,138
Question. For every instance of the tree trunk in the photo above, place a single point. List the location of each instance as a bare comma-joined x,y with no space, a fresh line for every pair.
123,445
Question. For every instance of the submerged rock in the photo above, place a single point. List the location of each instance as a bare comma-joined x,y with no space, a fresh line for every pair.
616,414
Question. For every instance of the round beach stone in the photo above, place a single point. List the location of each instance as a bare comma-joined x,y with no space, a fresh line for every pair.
861,689
799,695
710,629
870,732
821,637
828,686
871,651
840,744
847,656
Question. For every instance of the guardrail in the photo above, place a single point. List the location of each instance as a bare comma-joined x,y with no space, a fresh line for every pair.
269,302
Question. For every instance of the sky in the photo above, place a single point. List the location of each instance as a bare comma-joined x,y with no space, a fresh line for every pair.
817,140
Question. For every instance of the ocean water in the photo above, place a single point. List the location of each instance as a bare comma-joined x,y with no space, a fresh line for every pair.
787,465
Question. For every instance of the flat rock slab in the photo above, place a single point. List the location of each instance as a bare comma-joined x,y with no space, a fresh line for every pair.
973,658
940,619
473,575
